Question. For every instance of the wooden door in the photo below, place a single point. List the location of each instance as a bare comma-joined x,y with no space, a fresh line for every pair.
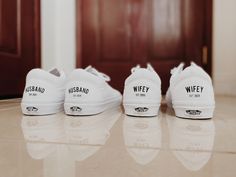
19,43
115,35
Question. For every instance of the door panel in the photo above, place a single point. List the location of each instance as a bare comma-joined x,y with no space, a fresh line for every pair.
175,35
8,32
166,38
105,37
114,37
118,34
19,43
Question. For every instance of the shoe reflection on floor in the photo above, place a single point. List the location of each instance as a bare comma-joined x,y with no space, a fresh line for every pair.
61,140
142,137
191,141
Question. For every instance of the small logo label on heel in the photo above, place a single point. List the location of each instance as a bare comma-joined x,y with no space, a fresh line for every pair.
194,91
193,112
140,90
141,109
32,109
75,109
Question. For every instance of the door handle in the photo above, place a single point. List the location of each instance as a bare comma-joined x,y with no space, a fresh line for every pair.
204,55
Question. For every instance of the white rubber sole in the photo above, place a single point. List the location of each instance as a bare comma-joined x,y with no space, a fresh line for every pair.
41,108
80,109
195,112
141,110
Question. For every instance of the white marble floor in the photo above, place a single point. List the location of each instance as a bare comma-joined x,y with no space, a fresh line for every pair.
114,145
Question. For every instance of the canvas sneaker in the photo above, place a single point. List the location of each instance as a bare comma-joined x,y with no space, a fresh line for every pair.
191,92
88,93
142,92
44,92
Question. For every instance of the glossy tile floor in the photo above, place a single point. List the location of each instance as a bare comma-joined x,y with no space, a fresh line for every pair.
114,145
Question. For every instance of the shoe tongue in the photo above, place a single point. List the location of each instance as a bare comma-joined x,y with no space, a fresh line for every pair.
150,68
91,70
55,72
95,72
178,69
88,67
135,68
193,64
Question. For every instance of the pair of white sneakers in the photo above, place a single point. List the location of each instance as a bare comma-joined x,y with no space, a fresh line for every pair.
86,92
190,92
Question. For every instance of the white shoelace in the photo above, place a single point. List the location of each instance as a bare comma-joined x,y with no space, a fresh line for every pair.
95,72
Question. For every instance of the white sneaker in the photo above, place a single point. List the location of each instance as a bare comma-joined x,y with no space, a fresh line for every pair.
44,92
191,92
142,92
88,93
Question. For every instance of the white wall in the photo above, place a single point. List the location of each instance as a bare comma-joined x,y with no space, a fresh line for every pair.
58,34
224,47
59,39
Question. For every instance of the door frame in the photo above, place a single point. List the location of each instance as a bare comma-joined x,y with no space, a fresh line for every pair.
78,33
208,23
36,60
37,10
208,36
